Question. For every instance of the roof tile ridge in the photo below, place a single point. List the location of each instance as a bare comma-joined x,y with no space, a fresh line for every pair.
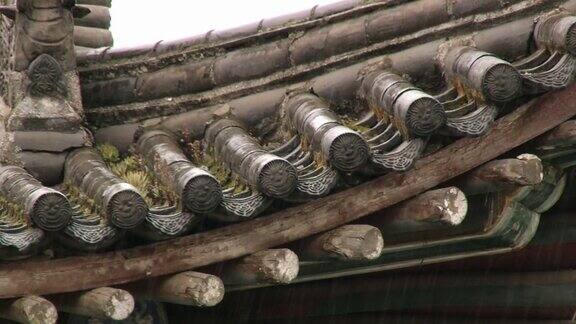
195,41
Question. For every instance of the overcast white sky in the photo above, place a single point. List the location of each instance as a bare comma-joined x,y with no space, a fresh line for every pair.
134,22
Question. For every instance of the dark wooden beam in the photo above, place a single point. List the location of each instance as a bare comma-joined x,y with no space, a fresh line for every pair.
177,313
524,295
551,249
185,253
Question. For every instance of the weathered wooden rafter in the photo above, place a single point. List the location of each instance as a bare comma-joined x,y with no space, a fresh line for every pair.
550,250
559,145
353,242
544,195
29,309
186,288
103,303
497,175
497,225
273,266
435,209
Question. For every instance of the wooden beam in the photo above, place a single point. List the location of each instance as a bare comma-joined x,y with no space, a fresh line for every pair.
564,134
186,288
278,266
29,309
185,253
434,213
446,206
102,303
525,170
349,242
497,224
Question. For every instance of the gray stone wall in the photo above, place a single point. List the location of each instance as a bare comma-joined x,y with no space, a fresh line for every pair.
5,50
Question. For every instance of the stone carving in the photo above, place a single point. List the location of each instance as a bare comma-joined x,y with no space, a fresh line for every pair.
44,82
557,32
44,27
314,179
45,207
45,77
402,158
89,230
21,238
244,205
476,123
482,74
264,172
312,119
170,222
200,192
412,109
120,202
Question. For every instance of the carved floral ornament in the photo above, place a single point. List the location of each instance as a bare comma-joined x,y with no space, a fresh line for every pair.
45,77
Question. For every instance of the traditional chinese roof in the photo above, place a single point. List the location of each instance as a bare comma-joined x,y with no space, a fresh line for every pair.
353,138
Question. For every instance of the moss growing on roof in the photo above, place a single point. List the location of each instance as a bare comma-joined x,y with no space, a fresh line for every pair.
11,213
207,158
351,123
87,205
109,153
132,169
